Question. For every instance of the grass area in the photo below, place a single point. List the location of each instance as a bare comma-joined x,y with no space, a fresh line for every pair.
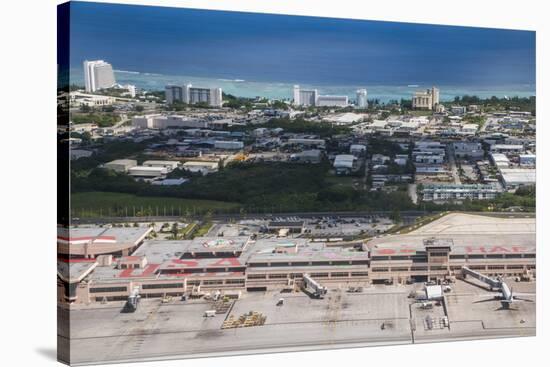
346,181
187,231
203,229
420,222
94,204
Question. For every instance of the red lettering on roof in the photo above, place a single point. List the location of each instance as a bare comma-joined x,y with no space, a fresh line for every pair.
185,263
385,251
499,249
131,272
519,249
233,261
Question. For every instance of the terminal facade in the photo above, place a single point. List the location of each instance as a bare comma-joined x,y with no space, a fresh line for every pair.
108,267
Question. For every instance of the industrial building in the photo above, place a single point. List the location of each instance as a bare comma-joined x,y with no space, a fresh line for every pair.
228,144
110,264
169,165
307,142
512,178
203,167
344,164
158,121
121,165
147,172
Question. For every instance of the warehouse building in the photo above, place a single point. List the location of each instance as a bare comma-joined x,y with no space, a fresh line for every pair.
147,172
513,178
121,165
169,165
203,167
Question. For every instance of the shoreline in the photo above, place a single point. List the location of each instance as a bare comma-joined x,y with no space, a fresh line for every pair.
283,90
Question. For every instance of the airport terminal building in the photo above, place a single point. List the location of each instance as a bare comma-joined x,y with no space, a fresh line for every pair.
102,272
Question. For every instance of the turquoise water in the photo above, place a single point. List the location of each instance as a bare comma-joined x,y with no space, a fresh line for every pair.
280,90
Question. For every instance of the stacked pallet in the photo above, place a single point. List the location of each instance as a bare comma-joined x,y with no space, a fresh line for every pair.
247,320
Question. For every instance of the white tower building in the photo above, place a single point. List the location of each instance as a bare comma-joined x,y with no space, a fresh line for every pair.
98,74
362,98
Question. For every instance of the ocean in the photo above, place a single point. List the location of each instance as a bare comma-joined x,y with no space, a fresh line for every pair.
283,90
253,55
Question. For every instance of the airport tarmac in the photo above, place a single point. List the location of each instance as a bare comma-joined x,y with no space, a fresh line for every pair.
380,315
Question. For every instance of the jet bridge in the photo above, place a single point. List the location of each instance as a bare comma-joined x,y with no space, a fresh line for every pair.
493,283
133,300
313,287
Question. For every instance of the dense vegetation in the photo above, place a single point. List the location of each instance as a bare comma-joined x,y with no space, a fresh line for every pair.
301,126
101,119
265,187
495,103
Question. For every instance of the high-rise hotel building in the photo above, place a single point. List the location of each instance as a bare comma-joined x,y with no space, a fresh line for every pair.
98,74
188,94
426,100
362,98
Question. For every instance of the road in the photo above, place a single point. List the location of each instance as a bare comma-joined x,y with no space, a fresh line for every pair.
452,163
410,214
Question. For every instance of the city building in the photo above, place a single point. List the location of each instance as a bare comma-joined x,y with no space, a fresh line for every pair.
358,149
466,149
307,142
188,94
158,121
228,144
362,99
344,163
455,192
527,160
78,99
458,110
427,100
507,148
307,156
305,97
98,74
332,101
311,97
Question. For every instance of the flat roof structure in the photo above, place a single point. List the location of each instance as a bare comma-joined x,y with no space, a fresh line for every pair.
470,234
161,250
94,240
72,271
518,176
